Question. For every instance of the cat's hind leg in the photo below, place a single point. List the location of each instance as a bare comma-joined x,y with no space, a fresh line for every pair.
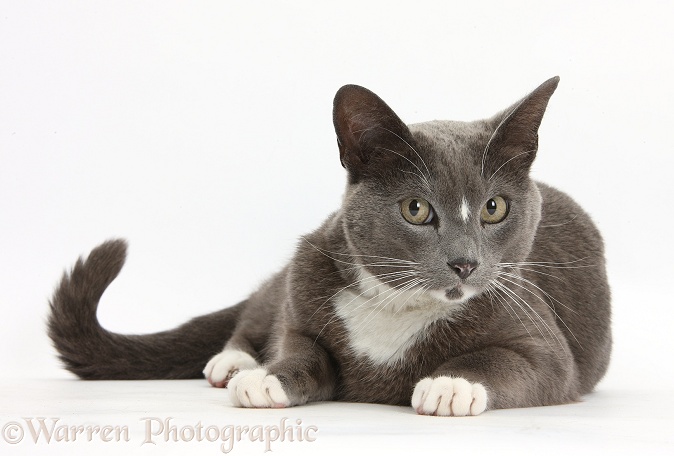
239,354
245,350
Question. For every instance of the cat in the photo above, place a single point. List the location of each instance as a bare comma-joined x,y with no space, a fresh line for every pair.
448,280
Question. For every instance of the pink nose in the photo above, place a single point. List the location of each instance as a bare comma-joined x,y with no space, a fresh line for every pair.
463,268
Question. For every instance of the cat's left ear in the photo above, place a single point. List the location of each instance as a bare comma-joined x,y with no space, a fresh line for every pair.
369,133
513,145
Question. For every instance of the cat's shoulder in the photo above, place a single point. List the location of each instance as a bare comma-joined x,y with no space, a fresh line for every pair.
556,203
562,216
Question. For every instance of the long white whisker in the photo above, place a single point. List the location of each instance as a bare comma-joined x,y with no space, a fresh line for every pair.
398,275
542,300
540,318
326,252
392,292
360,305
518,268
549,263
516,299
552,298
386,301
498,288
421,289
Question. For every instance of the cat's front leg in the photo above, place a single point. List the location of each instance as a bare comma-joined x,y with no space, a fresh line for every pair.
496,377
301,373
449,396
257,388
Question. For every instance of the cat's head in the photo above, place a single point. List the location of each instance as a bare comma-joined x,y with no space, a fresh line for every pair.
439,205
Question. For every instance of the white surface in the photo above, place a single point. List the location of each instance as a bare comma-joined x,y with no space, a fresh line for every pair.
202,132
611,421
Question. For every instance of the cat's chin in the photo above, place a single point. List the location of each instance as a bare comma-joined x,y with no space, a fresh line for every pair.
455,295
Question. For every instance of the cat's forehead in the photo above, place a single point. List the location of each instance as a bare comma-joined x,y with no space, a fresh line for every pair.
452,136
455,150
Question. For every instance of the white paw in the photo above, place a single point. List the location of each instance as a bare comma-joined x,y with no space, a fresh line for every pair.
223,366
255,388
446,396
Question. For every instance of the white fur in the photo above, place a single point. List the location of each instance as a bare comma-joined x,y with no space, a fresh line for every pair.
256,388
383,324
464,210
225,364
468,292
447,396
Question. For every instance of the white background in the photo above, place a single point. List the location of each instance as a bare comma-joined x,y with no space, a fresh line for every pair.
202,133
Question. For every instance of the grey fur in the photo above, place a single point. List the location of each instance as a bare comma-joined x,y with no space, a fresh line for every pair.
551,352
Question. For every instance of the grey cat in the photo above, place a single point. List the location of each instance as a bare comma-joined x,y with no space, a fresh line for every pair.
448,279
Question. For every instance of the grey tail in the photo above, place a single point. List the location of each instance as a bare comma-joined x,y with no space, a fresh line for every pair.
93,353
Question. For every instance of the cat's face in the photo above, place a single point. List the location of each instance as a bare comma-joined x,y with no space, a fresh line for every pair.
451,223
440,206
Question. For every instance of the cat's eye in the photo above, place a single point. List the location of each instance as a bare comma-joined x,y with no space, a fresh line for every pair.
495,210
417,211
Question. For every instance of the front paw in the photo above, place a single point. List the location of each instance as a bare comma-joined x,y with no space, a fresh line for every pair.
223,366
255,388
446,396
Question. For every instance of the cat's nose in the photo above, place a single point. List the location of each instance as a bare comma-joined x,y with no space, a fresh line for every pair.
462,267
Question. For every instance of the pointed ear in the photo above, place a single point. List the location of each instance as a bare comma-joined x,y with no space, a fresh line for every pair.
513,145
364,124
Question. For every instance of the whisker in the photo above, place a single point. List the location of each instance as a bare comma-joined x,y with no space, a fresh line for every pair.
506,306
413,174
490,292
531,270
550,263
357,307
560,224
384,275
326,252
384,303
424,179
552,298
515,299
509,160
552,308
410,146
399,275
519,299
493,135
421,289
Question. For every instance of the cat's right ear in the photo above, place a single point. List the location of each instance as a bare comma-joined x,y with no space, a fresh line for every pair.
364,124
514,143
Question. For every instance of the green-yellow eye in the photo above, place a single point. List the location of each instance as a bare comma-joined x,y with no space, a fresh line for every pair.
417,211
495,210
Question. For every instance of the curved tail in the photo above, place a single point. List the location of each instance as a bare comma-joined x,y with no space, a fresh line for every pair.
93,353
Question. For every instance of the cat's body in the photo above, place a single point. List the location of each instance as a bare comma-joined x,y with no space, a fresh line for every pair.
448,278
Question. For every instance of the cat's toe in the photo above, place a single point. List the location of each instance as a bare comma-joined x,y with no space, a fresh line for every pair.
223,366
447,396
256,388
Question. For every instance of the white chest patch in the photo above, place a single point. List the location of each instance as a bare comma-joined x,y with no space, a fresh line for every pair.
383,323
